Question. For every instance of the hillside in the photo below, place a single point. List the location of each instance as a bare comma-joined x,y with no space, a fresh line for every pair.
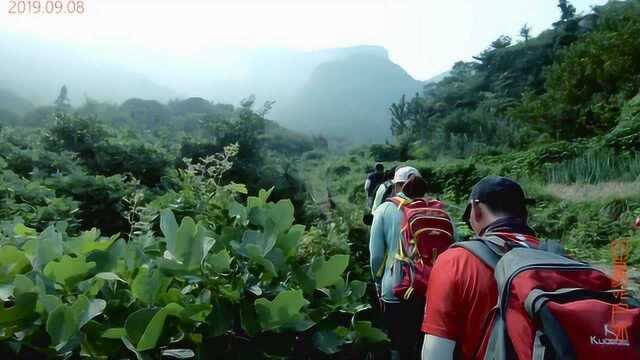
349,98
37,69
197,228
316,92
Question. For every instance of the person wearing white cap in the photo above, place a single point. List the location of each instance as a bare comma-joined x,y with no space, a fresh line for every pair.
402,319
387,189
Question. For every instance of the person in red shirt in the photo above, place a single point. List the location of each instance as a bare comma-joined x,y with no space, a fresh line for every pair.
462,289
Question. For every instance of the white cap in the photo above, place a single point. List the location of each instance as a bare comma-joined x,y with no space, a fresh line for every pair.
404,173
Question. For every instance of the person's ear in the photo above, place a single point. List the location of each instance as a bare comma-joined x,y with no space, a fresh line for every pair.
477,212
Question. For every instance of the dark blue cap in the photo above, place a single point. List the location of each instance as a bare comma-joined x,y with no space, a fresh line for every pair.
500,194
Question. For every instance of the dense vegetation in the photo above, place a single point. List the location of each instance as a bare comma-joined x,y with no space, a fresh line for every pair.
144,229
560,112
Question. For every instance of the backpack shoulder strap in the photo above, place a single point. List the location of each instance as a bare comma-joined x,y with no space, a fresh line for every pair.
489,248
481,250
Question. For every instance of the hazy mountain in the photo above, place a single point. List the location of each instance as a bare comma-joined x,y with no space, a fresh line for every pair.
343,92
349,97
36,70
10,101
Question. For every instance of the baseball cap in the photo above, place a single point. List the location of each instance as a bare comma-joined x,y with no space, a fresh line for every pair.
499,193
404,173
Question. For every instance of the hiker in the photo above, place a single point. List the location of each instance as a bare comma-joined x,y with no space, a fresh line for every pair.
371,184
546,301
384,190
396,261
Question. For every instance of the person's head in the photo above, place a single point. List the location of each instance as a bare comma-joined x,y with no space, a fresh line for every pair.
388,175
402,175
416,187
493,198
379,168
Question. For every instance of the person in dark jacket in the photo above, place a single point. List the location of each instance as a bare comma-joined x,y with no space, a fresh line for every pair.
371,183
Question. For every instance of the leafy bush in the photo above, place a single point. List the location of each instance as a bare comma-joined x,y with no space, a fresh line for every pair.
99,198
387,152
35,204
587,86
233,290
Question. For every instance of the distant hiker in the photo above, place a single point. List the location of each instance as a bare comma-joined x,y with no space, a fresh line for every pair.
384,190
371,184
543,295
401,254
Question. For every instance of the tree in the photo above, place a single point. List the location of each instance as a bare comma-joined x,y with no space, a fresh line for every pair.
567,9
501,42
62,102
399,116
525,32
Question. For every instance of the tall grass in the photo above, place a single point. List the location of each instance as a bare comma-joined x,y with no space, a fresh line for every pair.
595,168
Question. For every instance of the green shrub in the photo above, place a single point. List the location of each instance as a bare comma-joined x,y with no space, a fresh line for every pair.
233,290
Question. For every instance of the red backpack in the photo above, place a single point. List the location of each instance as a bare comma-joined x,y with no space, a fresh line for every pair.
553,307
427,231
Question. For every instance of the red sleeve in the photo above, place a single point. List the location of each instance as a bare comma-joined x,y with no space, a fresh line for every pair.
444,315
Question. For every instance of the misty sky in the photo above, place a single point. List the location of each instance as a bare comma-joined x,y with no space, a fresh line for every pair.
424,36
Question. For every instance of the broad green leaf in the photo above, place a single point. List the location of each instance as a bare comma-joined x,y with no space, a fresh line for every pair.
114,333
22,230
329,272
49,302
107,260
197,312
22,309
23,284
260,200
12,262
358,289
191,242
109,276
238,211
365,332
284,312
151,335
46,248
87,242
219,262
62,325
136,324
254,253
148,285
69,271
66,320
329,342
90,310
281,213
169,227
288,241
265,194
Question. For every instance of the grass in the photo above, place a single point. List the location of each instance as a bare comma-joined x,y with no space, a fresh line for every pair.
595,168
605,191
